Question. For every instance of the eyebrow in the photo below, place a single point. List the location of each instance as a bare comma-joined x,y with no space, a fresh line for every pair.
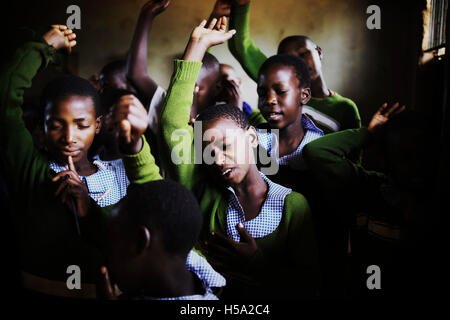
52,118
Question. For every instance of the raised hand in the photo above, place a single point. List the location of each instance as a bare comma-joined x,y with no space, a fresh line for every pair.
71,188
202,38
129,118
154,7
229,254
59,36
221,8
383,114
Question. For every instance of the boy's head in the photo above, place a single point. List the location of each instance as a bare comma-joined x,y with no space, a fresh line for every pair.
229,142
155,225
409,141
72,117
304,48
228,73
283,89
114,75
208,83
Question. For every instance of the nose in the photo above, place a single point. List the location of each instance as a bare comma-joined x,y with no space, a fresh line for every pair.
272,98
219,157
68,135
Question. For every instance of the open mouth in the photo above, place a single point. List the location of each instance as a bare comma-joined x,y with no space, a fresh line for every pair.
227,172
274,116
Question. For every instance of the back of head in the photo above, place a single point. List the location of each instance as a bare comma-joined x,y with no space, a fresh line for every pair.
293,42
114,67
67,86
224,111
210,63
299,66
166,208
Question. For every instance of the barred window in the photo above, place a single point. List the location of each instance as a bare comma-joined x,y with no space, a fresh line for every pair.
434,19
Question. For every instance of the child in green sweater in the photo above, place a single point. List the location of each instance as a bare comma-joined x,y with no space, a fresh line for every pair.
329,110
58,233
257,233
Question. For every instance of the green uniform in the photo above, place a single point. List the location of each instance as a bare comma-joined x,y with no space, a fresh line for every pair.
287,255
49,242
331,114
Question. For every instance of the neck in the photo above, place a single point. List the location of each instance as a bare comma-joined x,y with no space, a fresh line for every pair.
110,152
84,167
291,136
253,184
319,88
172,279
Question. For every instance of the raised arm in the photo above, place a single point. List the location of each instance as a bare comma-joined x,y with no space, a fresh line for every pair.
129,118
177,134
329,156
242,46
137,56
23,163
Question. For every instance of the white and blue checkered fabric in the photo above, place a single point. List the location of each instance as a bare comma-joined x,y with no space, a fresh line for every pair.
269,141
209,295
266,221
108,185
200,266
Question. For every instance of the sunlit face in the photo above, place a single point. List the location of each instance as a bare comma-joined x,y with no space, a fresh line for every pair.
70,127
280,96
207,83
231,149
310,53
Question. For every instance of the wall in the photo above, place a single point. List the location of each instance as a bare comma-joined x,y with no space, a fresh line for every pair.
368,66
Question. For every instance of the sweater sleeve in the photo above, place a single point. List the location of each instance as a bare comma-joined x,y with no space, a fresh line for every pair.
141,167
241,45
24,165
329,160
256,118
302,246
177,134
352,119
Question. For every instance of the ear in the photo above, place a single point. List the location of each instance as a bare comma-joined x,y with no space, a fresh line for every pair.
98,124
143,239
319,51
305,95
253,137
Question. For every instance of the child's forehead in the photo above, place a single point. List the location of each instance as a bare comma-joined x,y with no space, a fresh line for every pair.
74,105
277,72
223,127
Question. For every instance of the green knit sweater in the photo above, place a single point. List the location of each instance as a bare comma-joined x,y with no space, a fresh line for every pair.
333,113
49,242
287,255
330,162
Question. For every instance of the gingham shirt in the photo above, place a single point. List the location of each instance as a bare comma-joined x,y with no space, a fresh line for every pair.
269,141
208,295
266,221
108,185
200,266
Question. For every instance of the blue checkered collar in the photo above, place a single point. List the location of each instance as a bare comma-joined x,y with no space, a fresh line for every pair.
266,221
269,141
102,185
